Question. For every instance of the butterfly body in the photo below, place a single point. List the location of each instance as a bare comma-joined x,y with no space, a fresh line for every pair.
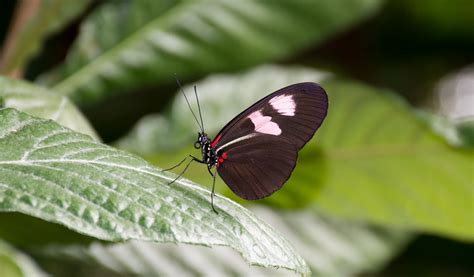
209,155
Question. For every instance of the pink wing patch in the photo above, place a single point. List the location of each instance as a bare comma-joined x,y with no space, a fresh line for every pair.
264,124
284,104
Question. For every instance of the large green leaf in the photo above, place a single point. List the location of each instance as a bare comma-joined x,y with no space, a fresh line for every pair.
53,173
331,247
50,17
410,177
373,159
41,102
14,263
125,44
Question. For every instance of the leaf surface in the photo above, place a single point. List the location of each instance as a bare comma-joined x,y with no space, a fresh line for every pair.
14,263
41,102
58,175
331,247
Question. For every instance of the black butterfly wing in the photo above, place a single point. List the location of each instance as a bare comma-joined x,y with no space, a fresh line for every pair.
259,147
257,167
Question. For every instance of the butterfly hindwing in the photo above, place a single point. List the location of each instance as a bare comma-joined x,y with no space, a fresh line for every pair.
257,167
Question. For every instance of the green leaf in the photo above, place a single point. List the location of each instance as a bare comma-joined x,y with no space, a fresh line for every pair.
51,16
466,131
373,159
14,263
53,173
41,102
193,38
331,247
444,127
45,233
401,173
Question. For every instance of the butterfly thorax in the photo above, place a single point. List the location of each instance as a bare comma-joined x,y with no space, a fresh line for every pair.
209,155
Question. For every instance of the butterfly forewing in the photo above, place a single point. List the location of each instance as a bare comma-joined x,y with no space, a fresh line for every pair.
258,148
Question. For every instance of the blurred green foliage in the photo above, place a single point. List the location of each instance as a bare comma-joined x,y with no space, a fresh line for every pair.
14,263
43,103
466,131
191,38
49,17
379,170
440,18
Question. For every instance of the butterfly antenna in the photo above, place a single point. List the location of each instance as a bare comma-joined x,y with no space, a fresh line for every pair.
189,105
199,107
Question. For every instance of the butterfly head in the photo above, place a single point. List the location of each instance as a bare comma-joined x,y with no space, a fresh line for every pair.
202,140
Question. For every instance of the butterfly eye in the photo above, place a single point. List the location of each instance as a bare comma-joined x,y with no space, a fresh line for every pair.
197,145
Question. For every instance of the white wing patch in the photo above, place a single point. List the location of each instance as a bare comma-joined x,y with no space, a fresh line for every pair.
235,141
284,104
264,124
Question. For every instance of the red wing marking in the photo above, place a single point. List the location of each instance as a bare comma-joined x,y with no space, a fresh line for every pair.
216,141
222,158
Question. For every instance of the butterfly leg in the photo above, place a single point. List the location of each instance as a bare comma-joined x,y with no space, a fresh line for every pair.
209,169
186,167
213,185
175,166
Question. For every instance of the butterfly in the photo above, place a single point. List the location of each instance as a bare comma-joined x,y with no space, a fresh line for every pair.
256,152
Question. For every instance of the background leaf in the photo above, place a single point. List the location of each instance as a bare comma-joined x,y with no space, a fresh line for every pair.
192,38
51,16
373,159
331,247
13,263
392,160
61,176
39,101
466,132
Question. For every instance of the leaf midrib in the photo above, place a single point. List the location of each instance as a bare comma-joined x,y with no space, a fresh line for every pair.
80,161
